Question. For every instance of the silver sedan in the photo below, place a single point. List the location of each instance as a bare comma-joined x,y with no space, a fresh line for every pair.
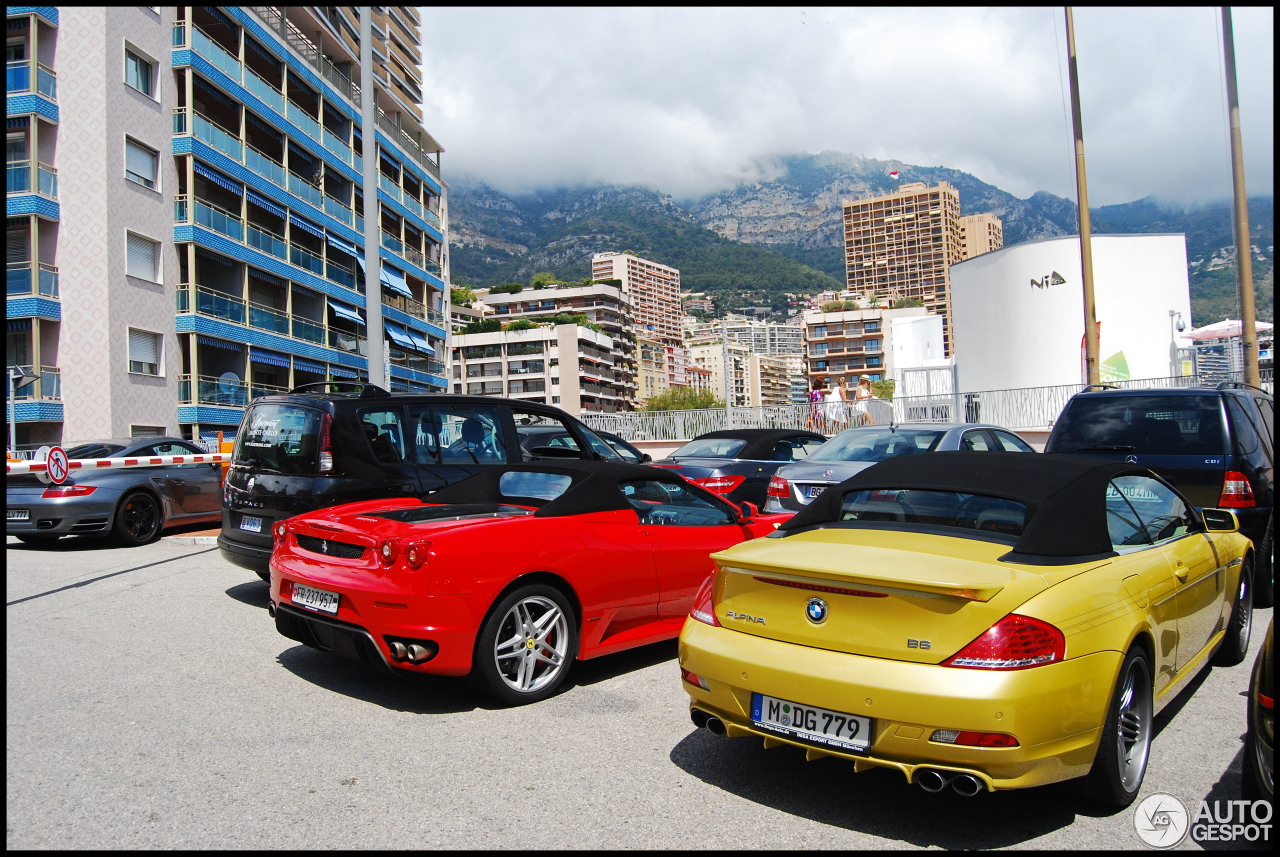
132,504
856,449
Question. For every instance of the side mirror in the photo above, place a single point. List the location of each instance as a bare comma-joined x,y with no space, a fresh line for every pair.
1220,520
646,458
748,510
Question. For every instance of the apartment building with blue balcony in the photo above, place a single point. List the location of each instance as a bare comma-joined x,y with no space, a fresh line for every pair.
186,214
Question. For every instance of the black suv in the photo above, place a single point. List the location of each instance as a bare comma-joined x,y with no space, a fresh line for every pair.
1215,444
335,442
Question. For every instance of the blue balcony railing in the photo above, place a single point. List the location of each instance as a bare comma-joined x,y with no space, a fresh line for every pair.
25,278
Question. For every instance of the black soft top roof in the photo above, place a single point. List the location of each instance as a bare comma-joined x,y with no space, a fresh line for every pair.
594,487
1064,494
760,441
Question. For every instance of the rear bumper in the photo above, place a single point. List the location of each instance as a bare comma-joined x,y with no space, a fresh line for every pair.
245,556
1056,712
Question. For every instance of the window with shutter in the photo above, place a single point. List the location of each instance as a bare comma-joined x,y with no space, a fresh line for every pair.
144,352
143,256
139,163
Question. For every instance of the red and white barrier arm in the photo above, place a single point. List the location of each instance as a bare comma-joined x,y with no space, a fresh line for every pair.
17,468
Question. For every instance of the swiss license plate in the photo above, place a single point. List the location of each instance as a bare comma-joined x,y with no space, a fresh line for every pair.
253,525
812,491
316,599
811,724
17,514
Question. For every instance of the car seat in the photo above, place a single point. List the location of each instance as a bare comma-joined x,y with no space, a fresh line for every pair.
475,440
384,449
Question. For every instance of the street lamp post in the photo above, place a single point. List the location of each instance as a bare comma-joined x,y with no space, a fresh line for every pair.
17,374
1176,326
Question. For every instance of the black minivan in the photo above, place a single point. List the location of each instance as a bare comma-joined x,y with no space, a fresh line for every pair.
336,442
1216,444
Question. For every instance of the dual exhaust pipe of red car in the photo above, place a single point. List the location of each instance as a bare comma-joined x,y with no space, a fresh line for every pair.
929,779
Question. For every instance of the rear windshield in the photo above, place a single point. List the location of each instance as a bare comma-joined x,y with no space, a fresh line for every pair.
279,439
973,513
877,444
710,447
94,450
1156,425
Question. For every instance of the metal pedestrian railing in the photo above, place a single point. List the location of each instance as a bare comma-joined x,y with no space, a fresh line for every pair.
1030,408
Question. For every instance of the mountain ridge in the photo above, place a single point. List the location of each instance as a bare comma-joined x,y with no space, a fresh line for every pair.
758,243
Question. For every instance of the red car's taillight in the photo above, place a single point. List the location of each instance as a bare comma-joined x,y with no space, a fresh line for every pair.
778,487
327,460
56,491
1236,491
704,604
719,484
387,549
416,554
278,535
1014,643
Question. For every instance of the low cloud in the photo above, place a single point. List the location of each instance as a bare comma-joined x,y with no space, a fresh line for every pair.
691,101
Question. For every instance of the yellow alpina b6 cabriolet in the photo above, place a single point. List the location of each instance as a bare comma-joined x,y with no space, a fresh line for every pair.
980,622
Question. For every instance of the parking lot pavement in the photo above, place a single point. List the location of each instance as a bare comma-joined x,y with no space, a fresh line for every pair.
151,704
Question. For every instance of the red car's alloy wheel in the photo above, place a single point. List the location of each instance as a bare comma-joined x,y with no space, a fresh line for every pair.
525,647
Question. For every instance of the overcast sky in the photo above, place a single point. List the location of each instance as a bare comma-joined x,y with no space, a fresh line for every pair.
694,100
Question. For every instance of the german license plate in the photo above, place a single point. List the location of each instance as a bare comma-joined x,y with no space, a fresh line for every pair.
253,525
811,724
812,491
17,514
316,599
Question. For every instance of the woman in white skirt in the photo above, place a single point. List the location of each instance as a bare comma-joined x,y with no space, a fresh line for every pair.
837,412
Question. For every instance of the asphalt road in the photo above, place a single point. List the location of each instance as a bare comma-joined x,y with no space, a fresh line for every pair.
152,704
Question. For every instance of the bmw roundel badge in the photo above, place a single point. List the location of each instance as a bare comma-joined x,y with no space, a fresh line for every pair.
816,610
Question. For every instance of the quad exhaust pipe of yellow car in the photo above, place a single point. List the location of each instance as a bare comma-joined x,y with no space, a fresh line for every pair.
934,781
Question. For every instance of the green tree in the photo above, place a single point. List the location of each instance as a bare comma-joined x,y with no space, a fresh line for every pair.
488,325
461,295
519,324
683,399
906,302
542,278
507,289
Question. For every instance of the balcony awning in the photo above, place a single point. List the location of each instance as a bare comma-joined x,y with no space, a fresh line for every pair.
340,372
344,312
213,92
398,336
298,151
264,276
222,19
15,325
218,343
265,204
262,52
307,366
13,122
420,342
393,279
345,246
210,256
306,226
269,358
218,178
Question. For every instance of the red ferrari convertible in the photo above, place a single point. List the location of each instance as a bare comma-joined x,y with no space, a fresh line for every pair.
507,576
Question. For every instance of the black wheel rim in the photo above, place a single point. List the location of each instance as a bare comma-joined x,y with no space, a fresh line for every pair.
141,517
